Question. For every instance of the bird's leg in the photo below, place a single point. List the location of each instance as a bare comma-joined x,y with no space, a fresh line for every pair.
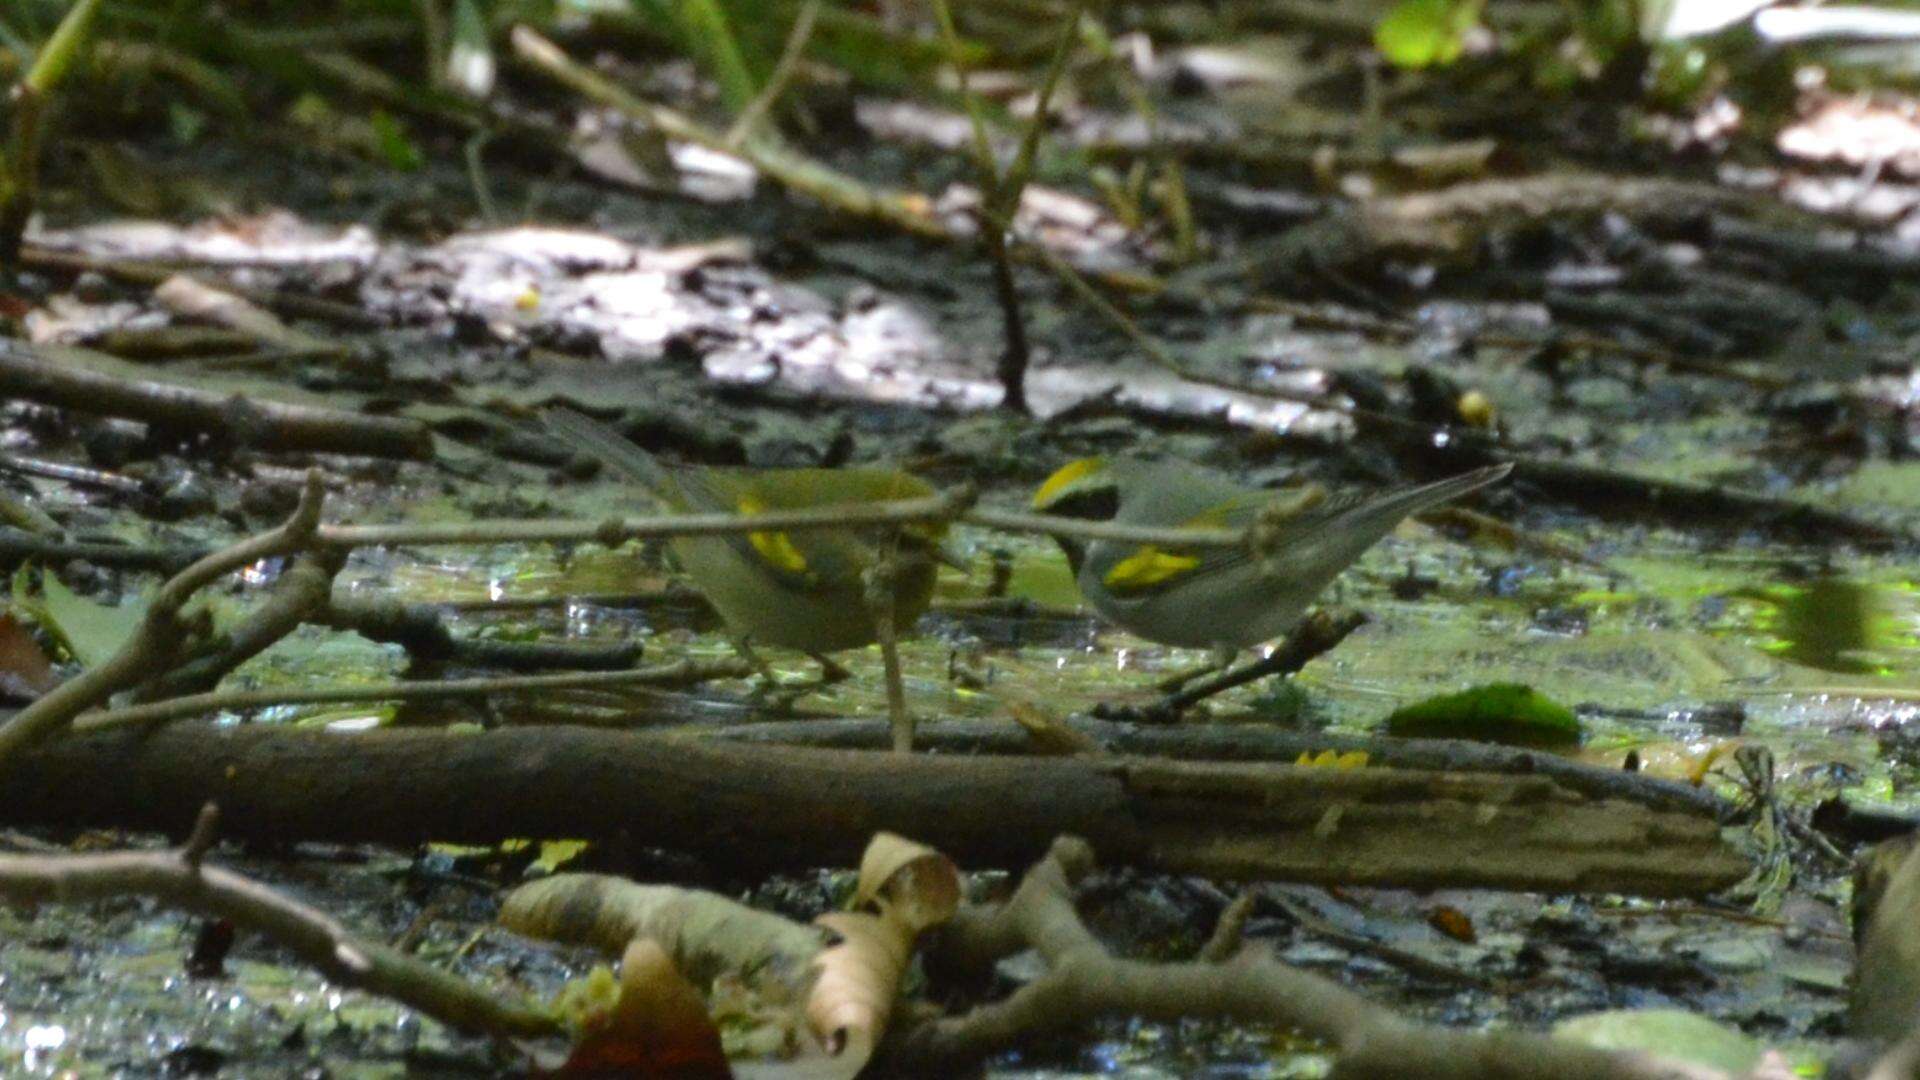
879,582
1316,634
1221,660
744,648
783,697
831,670
770,693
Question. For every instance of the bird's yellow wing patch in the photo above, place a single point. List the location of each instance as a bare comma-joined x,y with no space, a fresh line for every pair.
1147,568
1219,517
775,547
1063,477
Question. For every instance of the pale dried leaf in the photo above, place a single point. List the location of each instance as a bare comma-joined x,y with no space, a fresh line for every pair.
909,882
857,981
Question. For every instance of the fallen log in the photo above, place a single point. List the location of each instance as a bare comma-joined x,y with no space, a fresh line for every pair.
1234,742
759,808
83,384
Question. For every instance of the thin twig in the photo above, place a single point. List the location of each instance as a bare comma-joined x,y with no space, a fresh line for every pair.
1085,981
616,531
678,673
179,879
143,272
156,640
36,373
206,829
1229,931
422,630
17,546
976,116
880,589
1317,634
784,70
906,212
73,474
1052,525
191,298
300,591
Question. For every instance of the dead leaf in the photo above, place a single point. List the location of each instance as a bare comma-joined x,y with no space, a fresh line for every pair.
657,1029
1333,759
858,979
25,671
91,632
908,881
1454,923
1050,733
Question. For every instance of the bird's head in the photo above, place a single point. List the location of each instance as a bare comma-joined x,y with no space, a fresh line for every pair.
1088,489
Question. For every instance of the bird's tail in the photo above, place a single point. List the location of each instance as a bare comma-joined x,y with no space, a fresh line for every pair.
1396,505
1334,535
591,437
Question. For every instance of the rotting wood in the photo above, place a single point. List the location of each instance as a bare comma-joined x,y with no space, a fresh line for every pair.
27,374
1239,742
757,808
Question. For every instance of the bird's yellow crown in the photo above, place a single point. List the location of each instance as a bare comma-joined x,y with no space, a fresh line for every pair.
1064,478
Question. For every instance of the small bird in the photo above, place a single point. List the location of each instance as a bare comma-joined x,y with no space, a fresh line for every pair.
1221,598
805,590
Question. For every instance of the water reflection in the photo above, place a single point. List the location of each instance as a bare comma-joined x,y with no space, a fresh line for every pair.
1840,624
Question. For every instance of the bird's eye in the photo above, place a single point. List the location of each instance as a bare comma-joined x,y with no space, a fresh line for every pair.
1089,504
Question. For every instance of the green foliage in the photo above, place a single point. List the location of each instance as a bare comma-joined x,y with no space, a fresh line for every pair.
1509,713
701,29
1426,33
20,157
391,138
63,49
89,632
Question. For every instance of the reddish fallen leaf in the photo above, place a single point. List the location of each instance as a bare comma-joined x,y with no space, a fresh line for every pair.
1454,923
25,671
658,1030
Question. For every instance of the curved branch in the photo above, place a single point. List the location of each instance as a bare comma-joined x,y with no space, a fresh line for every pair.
678,673
179,879
157,639
1085,981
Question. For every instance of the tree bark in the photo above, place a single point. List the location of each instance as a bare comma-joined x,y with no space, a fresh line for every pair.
760,808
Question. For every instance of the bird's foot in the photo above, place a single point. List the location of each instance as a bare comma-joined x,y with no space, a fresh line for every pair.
831,670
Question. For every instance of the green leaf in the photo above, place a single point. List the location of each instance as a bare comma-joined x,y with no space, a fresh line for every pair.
91,632
1422,33
63,49
1507,713
395,146
705,30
